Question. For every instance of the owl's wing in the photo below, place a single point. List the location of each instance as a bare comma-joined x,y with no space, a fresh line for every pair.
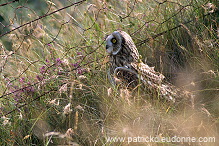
154,81
148,72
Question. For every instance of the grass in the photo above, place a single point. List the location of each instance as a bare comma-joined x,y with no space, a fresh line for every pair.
54,87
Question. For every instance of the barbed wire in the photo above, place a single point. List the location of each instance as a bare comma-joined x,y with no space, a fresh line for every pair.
99,10
40,17
9,3
171,29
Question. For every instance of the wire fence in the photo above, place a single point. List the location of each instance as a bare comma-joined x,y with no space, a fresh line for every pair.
53,61
45,43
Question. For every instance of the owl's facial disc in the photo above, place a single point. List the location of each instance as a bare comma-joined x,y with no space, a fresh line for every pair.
113,43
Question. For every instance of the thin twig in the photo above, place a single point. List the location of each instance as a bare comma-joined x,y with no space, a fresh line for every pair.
40,17
166,31
30,101
9,3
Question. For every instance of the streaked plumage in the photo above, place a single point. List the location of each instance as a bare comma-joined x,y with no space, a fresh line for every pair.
126,65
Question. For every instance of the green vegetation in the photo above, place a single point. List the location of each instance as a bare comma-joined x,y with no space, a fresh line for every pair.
54,88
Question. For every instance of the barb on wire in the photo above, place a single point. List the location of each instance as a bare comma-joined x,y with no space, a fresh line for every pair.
36,98
178,26
9,3
40,17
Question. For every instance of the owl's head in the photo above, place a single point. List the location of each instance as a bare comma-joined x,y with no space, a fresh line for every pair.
119,42
114,43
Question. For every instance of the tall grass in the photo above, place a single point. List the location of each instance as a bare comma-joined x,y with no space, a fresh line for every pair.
54,87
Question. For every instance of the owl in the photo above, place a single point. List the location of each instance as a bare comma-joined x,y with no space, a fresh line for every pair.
126,67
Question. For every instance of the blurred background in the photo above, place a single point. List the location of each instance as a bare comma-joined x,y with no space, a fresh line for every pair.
54,88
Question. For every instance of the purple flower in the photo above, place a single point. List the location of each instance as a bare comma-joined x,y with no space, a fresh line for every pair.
59,72
39,78
29,88
49,45
79,53
47,60
58,61
17,94
22,80
43,69
75,65
80,70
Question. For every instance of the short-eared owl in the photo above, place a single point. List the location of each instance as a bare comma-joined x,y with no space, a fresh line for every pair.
126,65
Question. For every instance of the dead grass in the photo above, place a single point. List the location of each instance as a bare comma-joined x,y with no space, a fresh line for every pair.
54,89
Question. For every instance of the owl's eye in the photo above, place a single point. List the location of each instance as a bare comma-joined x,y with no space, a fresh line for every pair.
113,40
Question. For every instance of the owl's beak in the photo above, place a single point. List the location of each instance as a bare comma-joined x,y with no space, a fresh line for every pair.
107,46
109,49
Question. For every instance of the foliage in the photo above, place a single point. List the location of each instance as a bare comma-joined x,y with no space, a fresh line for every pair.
54,87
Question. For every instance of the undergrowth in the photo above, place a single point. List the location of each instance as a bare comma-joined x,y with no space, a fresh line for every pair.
54,87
